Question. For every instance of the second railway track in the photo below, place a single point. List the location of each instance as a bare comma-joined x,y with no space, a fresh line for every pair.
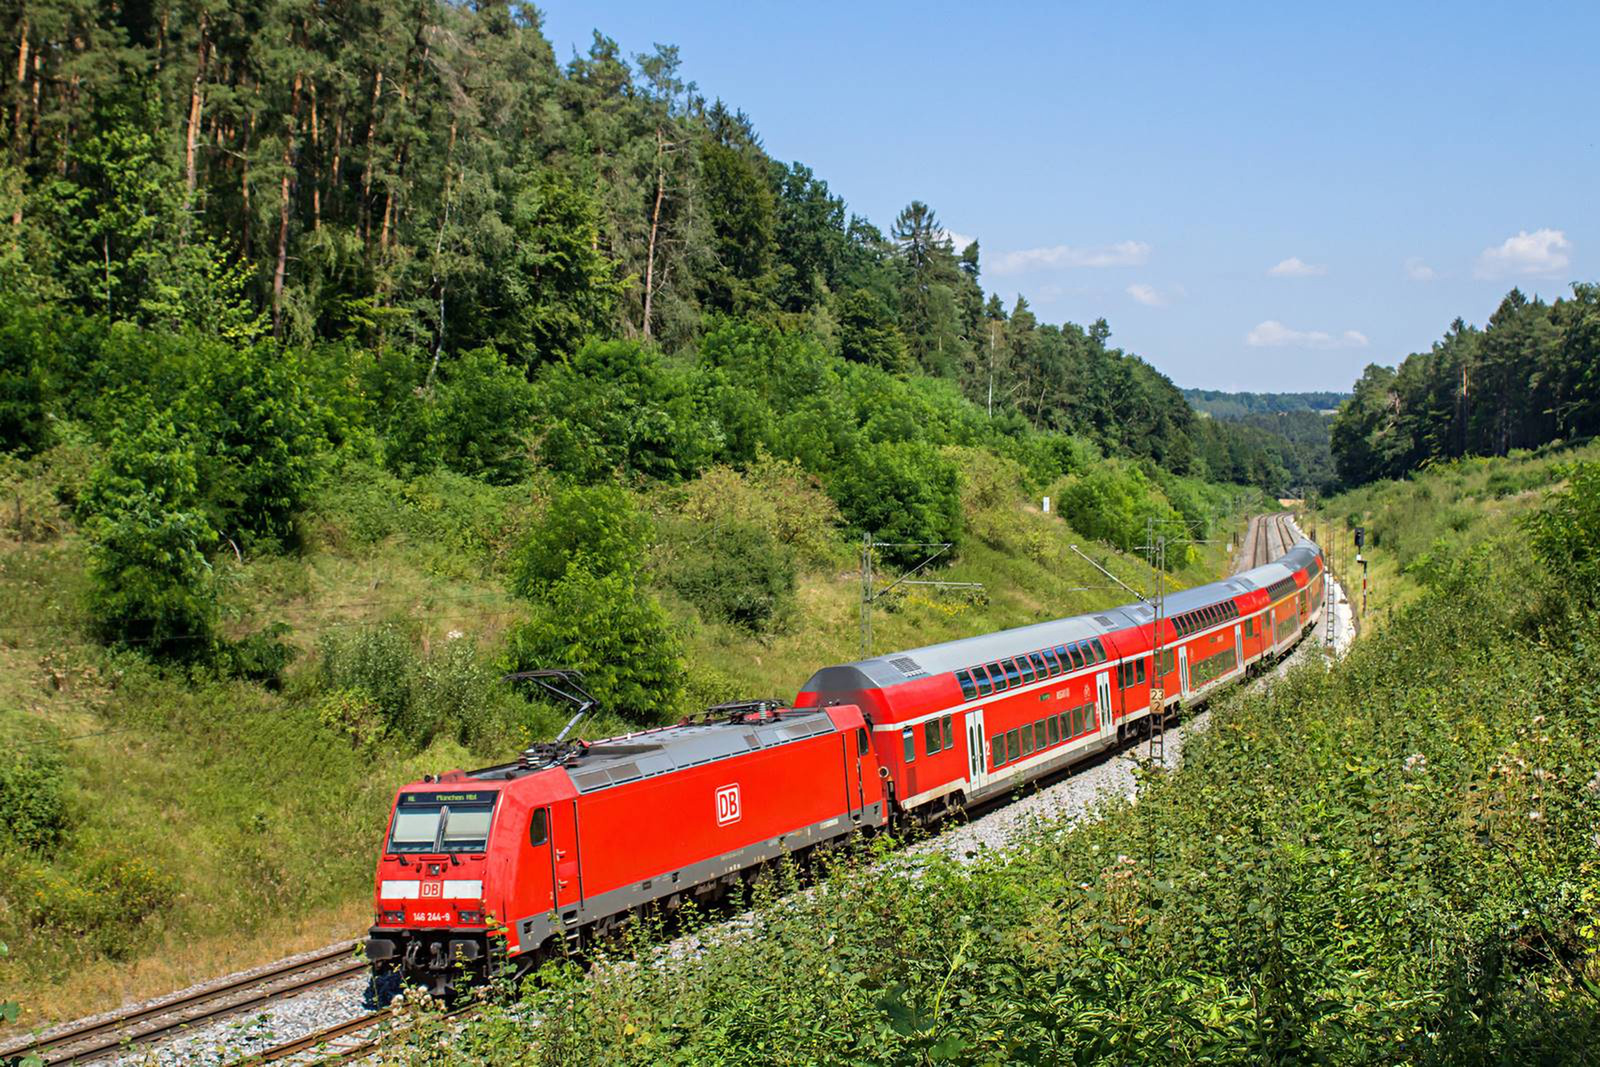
157,1021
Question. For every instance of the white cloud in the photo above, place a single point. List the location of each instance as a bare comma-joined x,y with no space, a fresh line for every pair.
1121,254
1148,295
1418,271
1540,252
1274,334
959,241
1295,267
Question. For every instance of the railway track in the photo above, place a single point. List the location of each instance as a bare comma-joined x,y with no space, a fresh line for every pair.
343,1042
156,1022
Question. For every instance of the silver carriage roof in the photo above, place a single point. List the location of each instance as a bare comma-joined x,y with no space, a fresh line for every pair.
898,667
616,760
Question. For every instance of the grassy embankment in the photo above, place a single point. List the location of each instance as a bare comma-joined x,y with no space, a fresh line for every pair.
213,825
1390,861
1417,525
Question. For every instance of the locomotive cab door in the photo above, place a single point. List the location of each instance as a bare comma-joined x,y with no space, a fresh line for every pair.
565,855
977,758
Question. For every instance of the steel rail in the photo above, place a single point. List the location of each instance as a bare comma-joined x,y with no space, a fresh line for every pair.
123,1029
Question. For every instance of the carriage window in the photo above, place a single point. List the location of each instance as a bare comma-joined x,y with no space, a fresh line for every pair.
908,740
1077,656
1013,676
1140,665
1027,740
1040,738
1099,652
999,677
949,732
930,736
1026,667
1041,669
1013,746
539,827
1055,729
981,675
997,749
1050,658
1077,721
968,689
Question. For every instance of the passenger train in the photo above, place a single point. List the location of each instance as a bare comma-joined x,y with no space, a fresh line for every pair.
505,865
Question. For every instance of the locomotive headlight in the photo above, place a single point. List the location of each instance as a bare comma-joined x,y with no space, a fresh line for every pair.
471,916
393,918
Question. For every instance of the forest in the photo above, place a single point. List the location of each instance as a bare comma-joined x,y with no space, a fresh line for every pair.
1529,377
249,244
429,186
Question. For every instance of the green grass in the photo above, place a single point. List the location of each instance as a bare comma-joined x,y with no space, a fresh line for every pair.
217,824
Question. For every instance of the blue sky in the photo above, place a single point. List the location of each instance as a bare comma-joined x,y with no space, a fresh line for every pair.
1253,198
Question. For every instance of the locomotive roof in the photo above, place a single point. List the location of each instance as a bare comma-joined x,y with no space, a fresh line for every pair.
643,755
898,667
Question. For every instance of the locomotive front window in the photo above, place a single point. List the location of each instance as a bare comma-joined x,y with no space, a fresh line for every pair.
442,822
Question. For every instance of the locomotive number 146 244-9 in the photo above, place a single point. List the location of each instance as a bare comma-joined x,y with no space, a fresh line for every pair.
430,917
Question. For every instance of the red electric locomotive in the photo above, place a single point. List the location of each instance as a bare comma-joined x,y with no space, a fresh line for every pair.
509,862
504,863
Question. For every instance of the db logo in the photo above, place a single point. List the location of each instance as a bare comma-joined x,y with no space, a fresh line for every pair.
727,804
430,889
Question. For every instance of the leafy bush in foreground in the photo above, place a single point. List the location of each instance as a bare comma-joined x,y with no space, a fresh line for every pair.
1390,862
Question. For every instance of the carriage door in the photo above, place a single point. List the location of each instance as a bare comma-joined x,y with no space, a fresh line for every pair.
977,763
1102,682
1183,670
1238,646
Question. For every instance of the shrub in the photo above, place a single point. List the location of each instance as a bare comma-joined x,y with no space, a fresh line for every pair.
731,571
990,486
900,491
33,806
619,638
1566,535
778,496
259,657
614,408
377,661
377,685
596,528
152,586
474,421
